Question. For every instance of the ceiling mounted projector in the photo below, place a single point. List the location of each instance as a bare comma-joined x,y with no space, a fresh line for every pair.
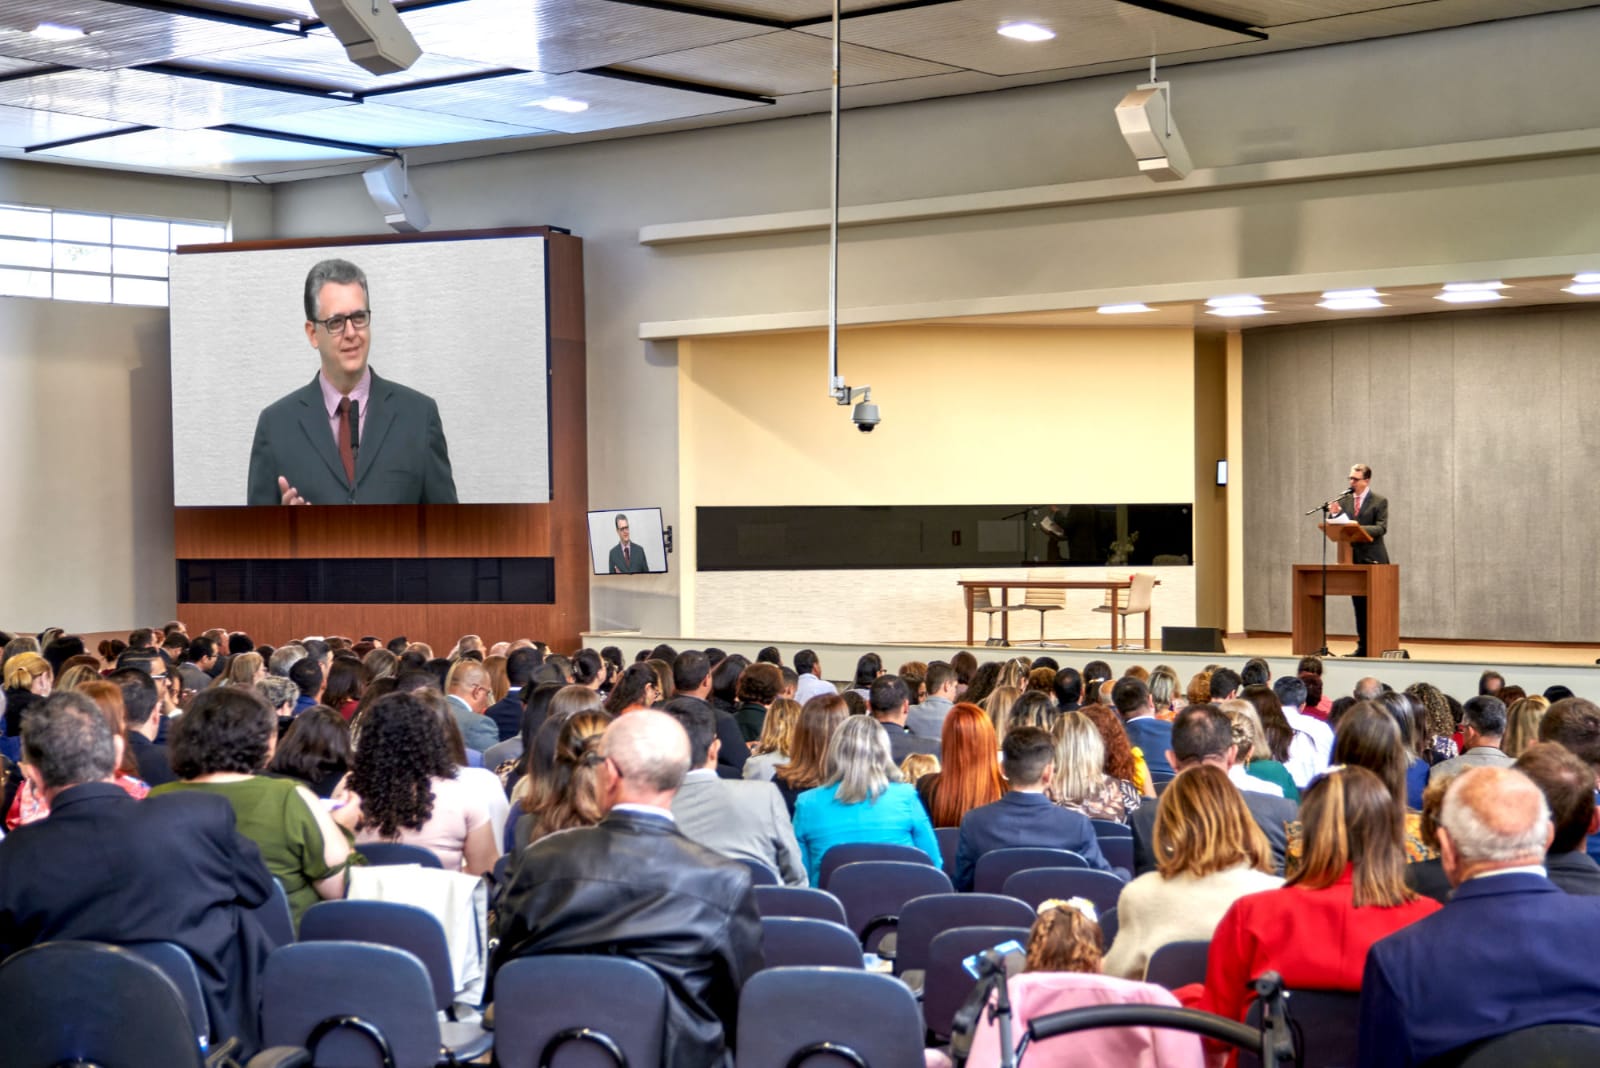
374,37
1145,116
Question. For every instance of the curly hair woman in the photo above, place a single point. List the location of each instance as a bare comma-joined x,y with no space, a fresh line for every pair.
409,790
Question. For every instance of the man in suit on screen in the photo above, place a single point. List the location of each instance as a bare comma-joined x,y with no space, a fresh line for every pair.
1372,512
348,436
626,557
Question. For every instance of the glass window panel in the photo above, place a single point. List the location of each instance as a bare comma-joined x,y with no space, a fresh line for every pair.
147,262
198,234
24,222
95,287
18,252
20,283
73,257
138,291
145,233
74,227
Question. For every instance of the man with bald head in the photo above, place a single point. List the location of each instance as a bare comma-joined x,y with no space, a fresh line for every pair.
1510,950
634,886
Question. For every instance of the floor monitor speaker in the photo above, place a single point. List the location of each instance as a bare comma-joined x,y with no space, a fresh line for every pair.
1191,640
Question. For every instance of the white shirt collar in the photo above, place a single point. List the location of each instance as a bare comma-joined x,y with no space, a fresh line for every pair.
1521,869
647,810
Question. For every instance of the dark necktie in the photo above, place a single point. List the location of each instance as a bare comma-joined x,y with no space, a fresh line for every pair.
624,556
346,453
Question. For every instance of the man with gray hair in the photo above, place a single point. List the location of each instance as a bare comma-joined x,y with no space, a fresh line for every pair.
1509,950
634,886
107,868
1483,722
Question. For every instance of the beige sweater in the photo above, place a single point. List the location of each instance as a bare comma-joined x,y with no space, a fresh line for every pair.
1154,910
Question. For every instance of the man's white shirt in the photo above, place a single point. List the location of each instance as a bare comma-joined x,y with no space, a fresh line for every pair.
1311,749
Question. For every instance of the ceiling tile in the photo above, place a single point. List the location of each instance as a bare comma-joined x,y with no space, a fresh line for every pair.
22,128
1087,31
783,62
150,99
787,10
319,60
211,153
387,126
117,35
612,102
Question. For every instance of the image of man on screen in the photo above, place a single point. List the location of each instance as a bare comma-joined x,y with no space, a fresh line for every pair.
348,436
626,557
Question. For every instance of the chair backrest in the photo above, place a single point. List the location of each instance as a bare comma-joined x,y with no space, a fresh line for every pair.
176,964
799,901
275,916
1547,1045
784,1012
69,1002
925,918
799,941
760,874
1325,1024
946,983
305,985
568,1008
852,852
873,892
1040,884
1118,852
1139,594
500,752
1034,597
385,853
1177,963
949,842
1104,829
387,923
998,865
982,597
1108,927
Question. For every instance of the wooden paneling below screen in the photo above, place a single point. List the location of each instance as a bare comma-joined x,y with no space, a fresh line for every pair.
437,624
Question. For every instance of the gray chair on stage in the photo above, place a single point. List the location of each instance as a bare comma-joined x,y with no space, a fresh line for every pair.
983,601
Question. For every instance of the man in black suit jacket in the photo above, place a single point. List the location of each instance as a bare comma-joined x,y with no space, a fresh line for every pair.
634,886
889,698
107,868
309,449
1372,512
626,557
1568,787
507,712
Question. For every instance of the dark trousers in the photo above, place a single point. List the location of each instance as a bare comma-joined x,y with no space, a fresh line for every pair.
1360,604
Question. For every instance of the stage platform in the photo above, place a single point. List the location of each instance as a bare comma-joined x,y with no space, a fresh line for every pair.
1452,666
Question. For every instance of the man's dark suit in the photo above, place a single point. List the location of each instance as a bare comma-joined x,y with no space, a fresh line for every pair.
507,714
1574,872
155,766
636,564
1374,519
1507,952
1271,814
1153,737
402,457
1023,819
902,743
107,868
633,886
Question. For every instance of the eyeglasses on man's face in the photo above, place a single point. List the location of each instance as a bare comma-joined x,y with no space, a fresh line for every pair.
335,324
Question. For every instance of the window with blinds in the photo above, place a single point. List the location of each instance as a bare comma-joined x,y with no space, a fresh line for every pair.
106,259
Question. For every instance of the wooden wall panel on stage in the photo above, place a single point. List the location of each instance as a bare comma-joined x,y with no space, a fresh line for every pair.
556,529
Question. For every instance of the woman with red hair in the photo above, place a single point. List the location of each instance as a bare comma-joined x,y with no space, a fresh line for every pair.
970,775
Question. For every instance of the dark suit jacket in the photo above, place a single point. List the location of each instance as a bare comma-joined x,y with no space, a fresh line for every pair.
155,766
636,565
1374,519
507,715
1507,952
1271,814
1154,737
633,886
107,868
1020,819
902,743
402,458
1574,872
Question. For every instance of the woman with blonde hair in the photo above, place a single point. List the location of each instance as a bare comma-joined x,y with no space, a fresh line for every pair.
917,765
1166,693
777,734
569,796
969,776
75,676
245,670
28,682
1032,708
1014,673
1209,853
1081,781
1253,753
1522,724
998,705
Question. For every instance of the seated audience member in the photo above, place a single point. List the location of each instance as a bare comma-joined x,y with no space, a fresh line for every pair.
1368,689
997,705
1198,692
889,702
245,669
1081,782
1032,708
1439,725
691,677
969,771
28,681
771,750
739,819
141,703
588,669
755,691
634,886
1225,685
30,806
560,703
218,747
1369,737
74,675
811,684
507,711
1068,689
1166,692
347,681
1151,736
1315,931
568,795
918,765
482,783
1280,738
1522,725
926,720
1427,877
1209,853
868,667
171,869
1025,815
636,688
808,752
1261,774
1575,724
1312,746
314,751
1508,951
1568,788
860,800
306,674
1123,761
411,791
1483,723
467,690
1490,683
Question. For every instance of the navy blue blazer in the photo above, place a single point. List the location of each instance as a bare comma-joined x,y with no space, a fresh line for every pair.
1506,952
1154,737
1020,819
507,714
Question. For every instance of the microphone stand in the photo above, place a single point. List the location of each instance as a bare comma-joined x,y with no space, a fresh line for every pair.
1323,603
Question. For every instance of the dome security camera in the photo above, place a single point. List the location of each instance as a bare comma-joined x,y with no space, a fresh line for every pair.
865,417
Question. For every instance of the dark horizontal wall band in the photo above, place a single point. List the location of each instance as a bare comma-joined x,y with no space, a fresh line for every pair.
943,536
341,580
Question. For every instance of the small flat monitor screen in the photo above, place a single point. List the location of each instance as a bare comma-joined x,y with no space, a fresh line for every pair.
425,385
627,541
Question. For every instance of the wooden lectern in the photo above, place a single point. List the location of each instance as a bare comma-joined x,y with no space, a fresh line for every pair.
1378,583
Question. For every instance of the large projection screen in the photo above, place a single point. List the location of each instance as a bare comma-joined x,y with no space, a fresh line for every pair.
463,321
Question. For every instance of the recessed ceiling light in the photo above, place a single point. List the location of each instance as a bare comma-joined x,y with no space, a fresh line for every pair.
54,31
1584,289
1586,278
562,103
1123,309
1349,294
1026,31
1237,300
1239,309
1469,296
1471,287
1351,303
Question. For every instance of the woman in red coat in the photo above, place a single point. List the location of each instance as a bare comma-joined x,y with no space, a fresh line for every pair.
1315,931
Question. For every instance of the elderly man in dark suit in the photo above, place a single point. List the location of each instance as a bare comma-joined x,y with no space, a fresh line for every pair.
348,436
635,886
107,868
